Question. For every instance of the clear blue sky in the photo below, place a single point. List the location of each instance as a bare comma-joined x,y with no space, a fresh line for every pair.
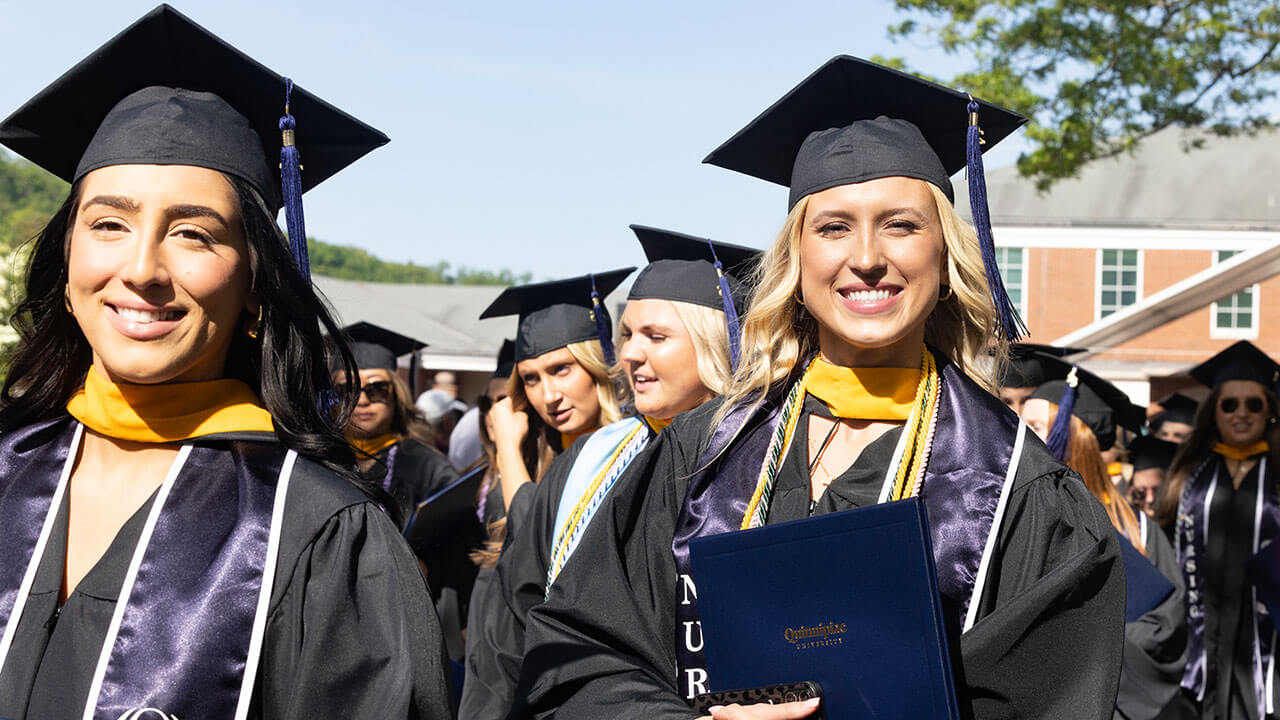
525,135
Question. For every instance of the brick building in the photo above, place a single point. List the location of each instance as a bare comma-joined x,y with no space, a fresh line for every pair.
1097,259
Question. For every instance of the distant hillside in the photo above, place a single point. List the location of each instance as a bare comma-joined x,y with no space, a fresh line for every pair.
29,196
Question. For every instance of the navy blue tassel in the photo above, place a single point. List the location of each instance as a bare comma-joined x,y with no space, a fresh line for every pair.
1061,431
291,187
730,311
1010,323
602,324
414,361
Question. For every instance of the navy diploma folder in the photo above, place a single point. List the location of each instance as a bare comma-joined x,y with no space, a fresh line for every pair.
848,600
1145,587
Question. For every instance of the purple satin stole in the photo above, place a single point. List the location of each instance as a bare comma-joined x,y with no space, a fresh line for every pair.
31,464
184,637
1191,541
972,447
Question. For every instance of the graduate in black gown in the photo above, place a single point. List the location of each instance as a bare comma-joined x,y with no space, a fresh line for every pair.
1151,458
1079,414
674,350
560,390
390,435
1176,418
864,378
1221,501
185,533
1024,372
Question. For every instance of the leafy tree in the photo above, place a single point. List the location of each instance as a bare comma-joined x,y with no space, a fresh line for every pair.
1097,77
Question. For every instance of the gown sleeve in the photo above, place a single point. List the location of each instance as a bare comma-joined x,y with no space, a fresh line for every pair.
1049,635
1155,645
496,645
603,645
355,633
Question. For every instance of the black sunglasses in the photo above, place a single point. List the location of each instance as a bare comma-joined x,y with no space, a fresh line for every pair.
378,391
1253,404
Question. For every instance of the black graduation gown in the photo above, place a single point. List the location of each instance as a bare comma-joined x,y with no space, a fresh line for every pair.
1155,645
495,644
1044,645
485,693
418,473
350,632
1228,624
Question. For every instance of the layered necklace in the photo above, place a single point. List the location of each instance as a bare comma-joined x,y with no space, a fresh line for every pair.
907,468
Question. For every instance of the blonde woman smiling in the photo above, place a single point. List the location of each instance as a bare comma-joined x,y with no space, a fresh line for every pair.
864,379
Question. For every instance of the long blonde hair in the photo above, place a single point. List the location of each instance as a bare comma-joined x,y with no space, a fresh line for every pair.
611,396
710,339
777,332
536,450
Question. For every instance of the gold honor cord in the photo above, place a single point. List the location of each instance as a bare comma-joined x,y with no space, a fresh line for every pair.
559,553
919,429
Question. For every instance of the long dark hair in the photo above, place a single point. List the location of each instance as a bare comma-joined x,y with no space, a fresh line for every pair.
1199,445
285,365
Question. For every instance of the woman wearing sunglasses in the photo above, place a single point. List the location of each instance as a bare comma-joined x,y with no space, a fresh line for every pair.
1079,415
1221,503
391,437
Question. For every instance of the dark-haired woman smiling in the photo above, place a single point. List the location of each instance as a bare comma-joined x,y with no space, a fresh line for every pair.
1223,503
185,533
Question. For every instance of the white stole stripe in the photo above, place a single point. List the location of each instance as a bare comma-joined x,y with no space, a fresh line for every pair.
901,449
980,582
126,589
20,602
264,593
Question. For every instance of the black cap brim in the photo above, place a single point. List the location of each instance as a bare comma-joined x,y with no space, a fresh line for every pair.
846,90
1242,361
166,49
681,268
556,313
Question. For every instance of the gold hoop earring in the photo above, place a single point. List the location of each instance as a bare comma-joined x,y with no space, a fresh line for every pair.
256,327
66,299
947,296
799,300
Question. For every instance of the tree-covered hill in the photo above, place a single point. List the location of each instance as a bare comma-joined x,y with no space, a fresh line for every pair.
29,196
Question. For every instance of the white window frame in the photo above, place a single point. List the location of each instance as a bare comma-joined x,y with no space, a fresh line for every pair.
1250,333
1022,306
1097,279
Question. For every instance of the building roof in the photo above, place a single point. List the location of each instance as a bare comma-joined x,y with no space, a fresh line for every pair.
446,317
1229,183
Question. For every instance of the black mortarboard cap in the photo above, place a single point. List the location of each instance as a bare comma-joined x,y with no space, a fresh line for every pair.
1178,408
682,267
506,360
165,91
1025,365
696,270
1241,361
560,312
1148,452
1101,405
853,120
377,347
1145,586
